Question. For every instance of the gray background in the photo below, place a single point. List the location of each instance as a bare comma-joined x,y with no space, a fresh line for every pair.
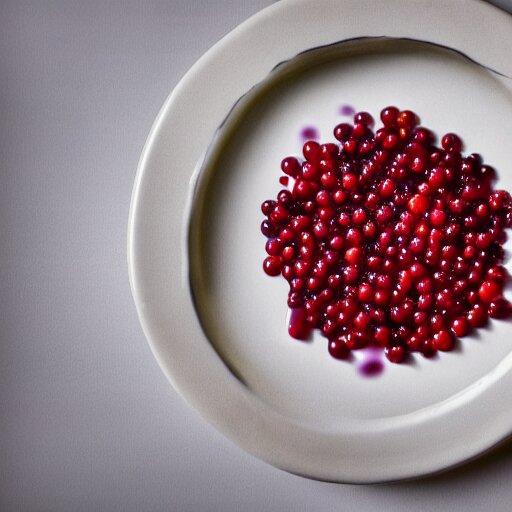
88,421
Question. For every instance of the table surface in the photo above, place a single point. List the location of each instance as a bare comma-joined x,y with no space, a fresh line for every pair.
89,421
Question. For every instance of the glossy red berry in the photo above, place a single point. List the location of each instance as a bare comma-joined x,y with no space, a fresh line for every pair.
396,354
438,218
444,340
477,317
406,119
418,204
489,290
389,116
460,326
290,165
338,349
363,118
342,131
273,265
499,308
451,142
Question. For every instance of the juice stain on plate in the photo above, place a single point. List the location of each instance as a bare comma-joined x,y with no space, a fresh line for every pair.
309,133
371,367
347,110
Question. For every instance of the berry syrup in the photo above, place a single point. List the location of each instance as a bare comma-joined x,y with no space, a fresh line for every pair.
347,110
388,240
309,133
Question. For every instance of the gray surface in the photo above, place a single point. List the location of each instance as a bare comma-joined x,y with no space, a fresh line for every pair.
88,420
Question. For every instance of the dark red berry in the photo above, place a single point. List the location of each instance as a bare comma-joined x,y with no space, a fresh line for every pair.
444,340
389,116
477,317
418,204
338,349
499,308
396,354
489,290
460,326
451,142
290,166
342,131
273,265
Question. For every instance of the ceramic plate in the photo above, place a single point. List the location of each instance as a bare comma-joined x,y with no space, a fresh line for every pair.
217,324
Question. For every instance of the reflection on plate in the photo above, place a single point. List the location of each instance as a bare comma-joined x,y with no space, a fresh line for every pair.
221,337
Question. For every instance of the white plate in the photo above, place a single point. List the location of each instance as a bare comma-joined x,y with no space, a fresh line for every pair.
285,401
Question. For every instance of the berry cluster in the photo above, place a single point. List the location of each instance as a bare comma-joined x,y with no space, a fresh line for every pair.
388,240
